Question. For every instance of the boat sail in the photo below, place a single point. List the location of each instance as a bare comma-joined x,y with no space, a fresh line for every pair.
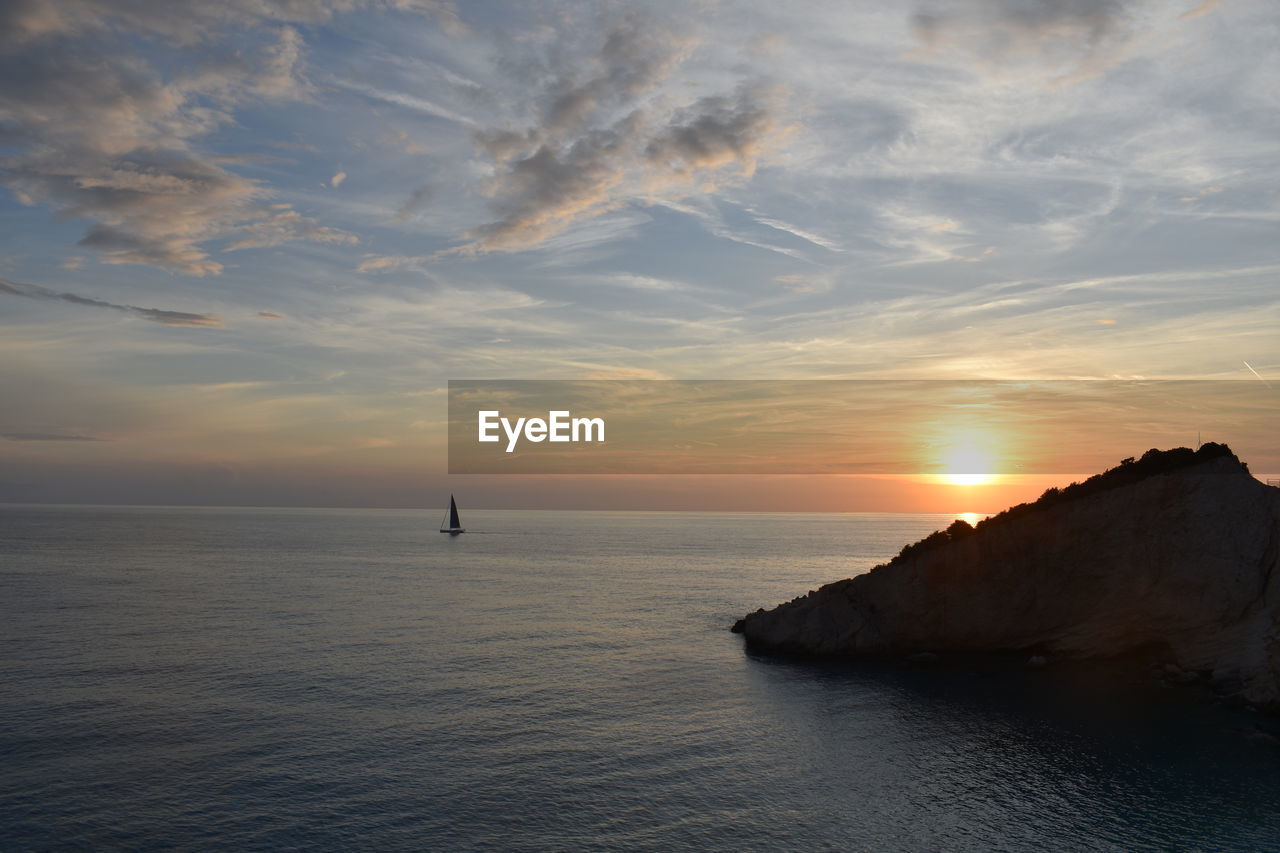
454,526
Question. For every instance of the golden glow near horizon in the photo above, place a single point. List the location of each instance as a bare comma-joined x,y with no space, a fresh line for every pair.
264,306
968,457
968,465
968,479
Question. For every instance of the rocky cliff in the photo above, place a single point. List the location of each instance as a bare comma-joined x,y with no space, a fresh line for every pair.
1174,556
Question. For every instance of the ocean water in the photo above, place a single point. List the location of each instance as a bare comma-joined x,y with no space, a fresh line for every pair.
264,679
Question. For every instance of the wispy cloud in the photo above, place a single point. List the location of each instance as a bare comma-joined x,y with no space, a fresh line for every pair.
106,136
417,200
1068,39
804,283
155,315
1204,8
713,222
101,130
46,436
392,263
400,99
31,21
796,231
601,138
281,224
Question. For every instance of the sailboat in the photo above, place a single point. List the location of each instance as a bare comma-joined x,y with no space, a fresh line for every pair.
454,524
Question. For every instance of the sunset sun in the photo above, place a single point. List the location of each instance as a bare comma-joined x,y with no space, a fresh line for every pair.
967,465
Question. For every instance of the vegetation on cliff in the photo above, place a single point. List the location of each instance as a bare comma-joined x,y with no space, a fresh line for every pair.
1152,463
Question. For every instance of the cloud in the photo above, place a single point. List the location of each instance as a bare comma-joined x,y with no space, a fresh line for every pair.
808,236
285,145
804,283
643,282
336,180
46,436
104,131
1203,9
24,22
102,138
1213,190
713,221
604,134
543,193
715,131
155,315
767,45
400,99
1068,39
634,58
624,373
402,140
148,207
417,200
391,263
282,224
270,315
980,257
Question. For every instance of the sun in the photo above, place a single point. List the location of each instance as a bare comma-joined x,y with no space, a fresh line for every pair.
967,465
968,479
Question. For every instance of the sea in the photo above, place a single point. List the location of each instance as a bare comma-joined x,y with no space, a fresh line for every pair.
194,679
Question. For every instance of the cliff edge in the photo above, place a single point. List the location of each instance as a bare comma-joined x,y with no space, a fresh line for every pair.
1172,556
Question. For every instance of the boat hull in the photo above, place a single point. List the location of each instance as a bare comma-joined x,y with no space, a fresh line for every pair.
453,531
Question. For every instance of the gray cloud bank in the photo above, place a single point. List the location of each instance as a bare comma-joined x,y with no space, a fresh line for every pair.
155,315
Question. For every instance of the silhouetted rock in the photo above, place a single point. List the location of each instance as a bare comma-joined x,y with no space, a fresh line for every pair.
1170,556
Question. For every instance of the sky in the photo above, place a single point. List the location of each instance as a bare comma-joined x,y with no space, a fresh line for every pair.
244,245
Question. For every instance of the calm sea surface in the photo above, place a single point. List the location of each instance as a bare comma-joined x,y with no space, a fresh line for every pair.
343,679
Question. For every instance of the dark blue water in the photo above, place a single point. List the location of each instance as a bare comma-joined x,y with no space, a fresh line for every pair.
332,679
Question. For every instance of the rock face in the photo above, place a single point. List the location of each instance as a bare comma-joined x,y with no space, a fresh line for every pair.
1180,564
